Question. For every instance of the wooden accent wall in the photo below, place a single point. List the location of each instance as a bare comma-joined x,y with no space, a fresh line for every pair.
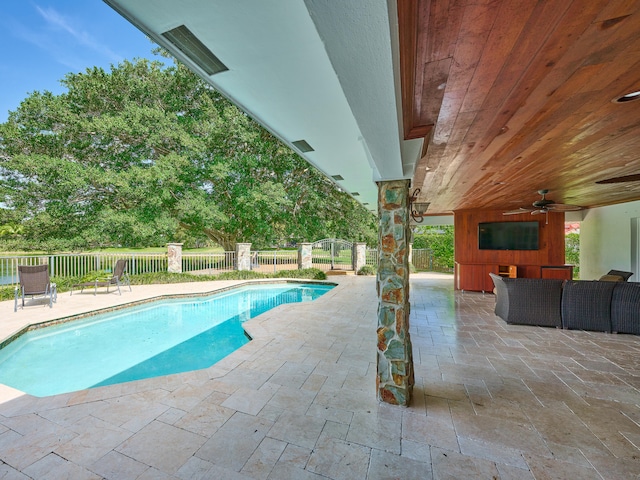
467,254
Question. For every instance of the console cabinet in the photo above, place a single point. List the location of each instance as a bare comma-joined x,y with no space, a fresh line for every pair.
475,277
473,264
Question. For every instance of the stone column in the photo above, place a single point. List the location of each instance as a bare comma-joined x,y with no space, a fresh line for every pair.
174,257
305,259
359,256
243,256
395,359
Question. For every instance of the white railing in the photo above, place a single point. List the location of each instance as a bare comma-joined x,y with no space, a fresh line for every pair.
77,265
268,261
371,257
208,263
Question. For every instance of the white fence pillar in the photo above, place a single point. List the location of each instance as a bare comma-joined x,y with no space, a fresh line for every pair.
243,256
359,256
305,259
174,257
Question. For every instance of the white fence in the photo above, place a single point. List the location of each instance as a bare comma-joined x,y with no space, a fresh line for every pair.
208,263
77,265
269,261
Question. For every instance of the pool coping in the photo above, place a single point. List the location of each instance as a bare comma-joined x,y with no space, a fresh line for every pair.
158,298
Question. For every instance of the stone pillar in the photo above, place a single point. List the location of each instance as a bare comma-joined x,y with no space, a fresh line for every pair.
359,256
305,259
395,358
243,256
174,257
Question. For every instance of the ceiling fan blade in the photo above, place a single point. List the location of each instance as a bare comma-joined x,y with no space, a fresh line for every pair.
520,211
562,207
538,212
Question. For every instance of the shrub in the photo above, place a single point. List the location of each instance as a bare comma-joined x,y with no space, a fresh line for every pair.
240,275
367,270
308,273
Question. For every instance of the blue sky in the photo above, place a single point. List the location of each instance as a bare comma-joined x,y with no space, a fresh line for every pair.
43,40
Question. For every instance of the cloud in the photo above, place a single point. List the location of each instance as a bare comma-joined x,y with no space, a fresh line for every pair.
61,23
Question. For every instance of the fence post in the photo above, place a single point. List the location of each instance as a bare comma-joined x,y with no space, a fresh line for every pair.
305,259
359,256
174,257
243,256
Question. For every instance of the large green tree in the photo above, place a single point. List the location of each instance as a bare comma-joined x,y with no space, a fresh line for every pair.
136,155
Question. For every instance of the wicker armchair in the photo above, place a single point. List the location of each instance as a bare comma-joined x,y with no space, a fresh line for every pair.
586,305
625,308
34,282
528,301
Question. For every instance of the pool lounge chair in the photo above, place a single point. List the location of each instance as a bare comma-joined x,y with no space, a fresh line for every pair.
119,277
35,282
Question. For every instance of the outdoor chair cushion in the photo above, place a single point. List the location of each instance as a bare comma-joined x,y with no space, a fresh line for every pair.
611,278
625,275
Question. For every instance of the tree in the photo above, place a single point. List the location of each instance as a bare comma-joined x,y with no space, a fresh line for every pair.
132,156
572,252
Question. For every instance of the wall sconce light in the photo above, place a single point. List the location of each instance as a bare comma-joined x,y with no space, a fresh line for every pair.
417,209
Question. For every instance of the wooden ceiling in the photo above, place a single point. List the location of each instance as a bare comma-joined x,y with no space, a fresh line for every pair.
514,96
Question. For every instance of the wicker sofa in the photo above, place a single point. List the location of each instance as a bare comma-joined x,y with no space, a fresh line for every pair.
603,306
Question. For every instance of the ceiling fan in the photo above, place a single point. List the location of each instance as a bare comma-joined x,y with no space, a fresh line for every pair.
544,205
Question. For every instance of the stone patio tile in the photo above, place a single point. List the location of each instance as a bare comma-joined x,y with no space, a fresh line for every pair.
54,467
155,474
384,466
507,472
117,466
249,400
544,468
288,398
502,432
330,413
9,473
162,446
338,459
448,465
429,430
487,394
379,429
298,429
97,439
295,456
21,450
498,454
264,458
234,443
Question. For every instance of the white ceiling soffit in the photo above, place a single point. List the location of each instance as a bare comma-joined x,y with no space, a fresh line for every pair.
319,71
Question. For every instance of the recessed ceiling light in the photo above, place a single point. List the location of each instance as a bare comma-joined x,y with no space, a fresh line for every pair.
185,41
355,194
337,177
629,97
303,146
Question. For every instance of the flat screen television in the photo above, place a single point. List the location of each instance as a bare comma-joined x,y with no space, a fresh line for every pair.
508,235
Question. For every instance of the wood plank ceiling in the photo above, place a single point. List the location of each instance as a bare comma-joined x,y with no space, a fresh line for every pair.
514,96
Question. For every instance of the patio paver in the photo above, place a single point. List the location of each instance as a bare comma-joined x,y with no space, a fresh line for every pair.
490,401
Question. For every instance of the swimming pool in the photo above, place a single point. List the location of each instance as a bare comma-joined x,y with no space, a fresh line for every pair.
149,340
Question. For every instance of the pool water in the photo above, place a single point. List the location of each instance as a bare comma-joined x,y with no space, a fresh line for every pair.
159,338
